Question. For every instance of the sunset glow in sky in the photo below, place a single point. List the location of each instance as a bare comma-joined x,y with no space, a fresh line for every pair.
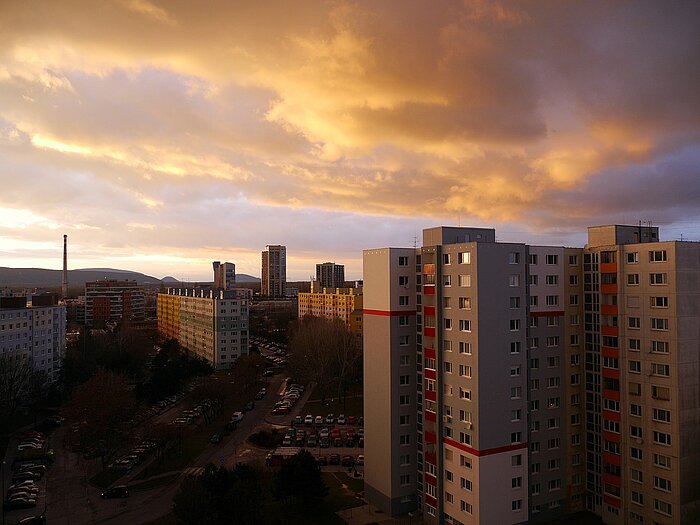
162,135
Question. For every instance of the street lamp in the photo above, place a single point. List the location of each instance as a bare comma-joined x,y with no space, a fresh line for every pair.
3,491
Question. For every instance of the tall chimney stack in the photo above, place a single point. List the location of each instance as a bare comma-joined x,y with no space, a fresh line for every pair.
64,281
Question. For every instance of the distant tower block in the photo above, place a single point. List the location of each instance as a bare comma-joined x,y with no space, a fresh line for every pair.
64,281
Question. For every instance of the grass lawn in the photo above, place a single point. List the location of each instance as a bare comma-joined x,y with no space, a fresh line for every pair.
353,407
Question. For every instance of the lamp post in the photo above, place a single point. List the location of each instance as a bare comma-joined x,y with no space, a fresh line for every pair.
3,491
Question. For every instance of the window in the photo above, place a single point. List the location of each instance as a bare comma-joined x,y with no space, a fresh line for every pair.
658,369
403,320
465,325
447,280
513,258
658,323
405,479
465,303
534,300
634,322
551,259
554,484
465,348
517,482
514,371
534,363
662,484
516,437
659,302
446,258
660,347
404,380
404,360
637,476
405,439
633,279
636,410
405,420
465,281
636,432
573,280
448,323
532,259
633,257
404,340
553,340
573,300
465,393
517,460
466,484
446,302
464,257
403,260
535,468
532,280
636,453
515,392
515,347
552,280
574,320
465,370
658,278
657,256
515,302
403,280
662,415
514,325
516,504
611,404
573,260
637,498
662,507
552,300
403,300
635,366
553,464
514,280
404,400
662,438
635,344
662,461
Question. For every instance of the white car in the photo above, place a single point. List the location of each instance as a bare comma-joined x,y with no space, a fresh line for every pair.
237,417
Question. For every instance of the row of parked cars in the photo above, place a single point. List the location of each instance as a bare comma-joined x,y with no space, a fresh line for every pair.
330,419
23,491
288,399
324,438
336,459
134,457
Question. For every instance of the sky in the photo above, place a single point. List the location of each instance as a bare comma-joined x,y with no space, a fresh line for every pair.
163,135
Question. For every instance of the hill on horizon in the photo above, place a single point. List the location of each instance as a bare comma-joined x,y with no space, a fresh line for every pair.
42,277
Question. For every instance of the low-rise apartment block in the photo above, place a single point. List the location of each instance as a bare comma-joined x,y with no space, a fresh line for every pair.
341,303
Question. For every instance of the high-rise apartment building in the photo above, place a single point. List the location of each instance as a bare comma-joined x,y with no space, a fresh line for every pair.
273,281
34,331
549,380
113,301
330,275
342,303
210,323
224,275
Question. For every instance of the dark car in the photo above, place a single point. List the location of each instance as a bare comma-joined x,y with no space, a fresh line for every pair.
348,461
322,461
33,520
120,491
268,373
19,504
250,405
259,396
216,438
334,459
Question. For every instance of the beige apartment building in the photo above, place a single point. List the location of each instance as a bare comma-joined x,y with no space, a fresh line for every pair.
341,303
548,379
212,324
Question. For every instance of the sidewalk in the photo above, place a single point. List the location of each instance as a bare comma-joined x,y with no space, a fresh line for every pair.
369,514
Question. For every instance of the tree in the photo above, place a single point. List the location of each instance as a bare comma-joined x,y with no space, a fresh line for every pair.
18,382
220,496
102,404
246,370
326,352
300,478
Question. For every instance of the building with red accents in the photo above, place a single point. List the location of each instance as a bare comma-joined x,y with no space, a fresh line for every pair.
507,383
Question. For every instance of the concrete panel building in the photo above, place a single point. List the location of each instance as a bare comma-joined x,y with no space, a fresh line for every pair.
273,282
330,275
345,304
34,330
210,323
548,380
114,301
224,275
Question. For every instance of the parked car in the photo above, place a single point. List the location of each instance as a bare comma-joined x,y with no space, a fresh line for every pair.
348,461
19,504
352,420
298,420
334,459
120,491
360,460
33,520
330,419
237,417
268,373
312,441
318,420
341,419
216,438
250,405
322,461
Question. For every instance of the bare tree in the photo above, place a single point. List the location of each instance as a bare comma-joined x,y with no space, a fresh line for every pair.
325,351
18,382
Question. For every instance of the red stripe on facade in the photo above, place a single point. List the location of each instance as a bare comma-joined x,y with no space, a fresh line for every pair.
430,373
485,452
553,313
431,395
388,313
430,479
612,500
429,331
430,353
430,501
